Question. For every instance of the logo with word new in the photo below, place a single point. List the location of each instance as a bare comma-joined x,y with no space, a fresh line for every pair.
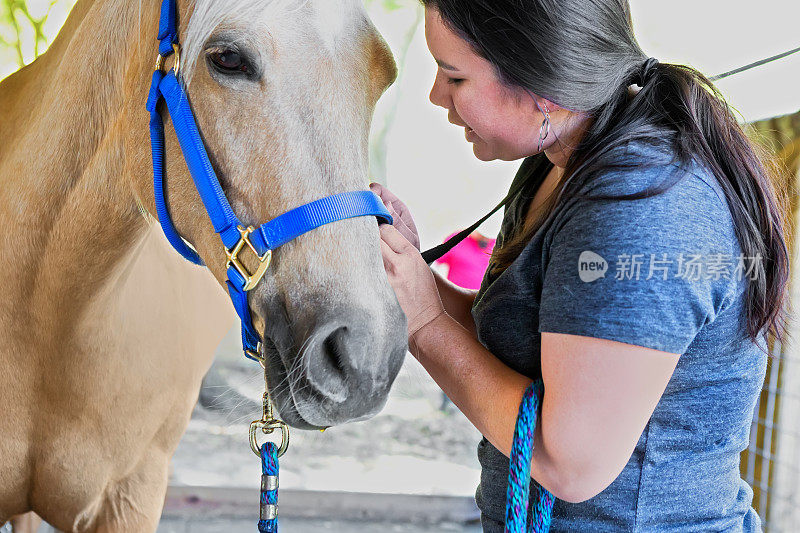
591,266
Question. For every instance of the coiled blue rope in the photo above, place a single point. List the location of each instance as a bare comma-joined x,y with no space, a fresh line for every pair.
519,475
268,522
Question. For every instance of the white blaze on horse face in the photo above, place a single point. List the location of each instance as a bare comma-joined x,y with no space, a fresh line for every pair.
331,20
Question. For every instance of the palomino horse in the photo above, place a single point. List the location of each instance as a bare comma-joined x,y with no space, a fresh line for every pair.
106,331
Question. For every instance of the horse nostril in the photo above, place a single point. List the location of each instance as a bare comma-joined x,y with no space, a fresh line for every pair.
325,368
333,348
346,364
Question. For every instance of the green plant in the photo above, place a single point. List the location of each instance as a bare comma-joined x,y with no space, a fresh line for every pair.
16,17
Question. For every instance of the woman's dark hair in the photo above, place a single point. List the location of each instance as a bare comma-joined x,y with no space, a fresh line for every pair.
583,56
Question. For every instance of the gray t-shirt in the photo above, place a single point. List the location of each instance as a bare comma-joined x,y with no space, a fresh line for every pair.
666,273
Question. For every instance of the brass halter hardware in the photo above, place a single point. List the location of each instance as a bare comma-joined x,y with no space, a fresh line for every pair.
267,428
160,59
251,280
268,423
256,356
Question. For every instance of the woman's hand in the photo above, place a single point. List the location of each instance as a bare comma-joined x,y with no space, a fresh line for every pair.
403,221
412,281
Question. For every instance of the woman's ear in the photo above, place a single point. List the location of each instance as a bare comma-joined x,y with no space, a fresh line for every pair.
546,106
542,105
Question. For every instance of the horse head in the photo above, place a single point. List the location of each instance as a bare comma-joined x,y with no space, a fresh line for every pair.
283,94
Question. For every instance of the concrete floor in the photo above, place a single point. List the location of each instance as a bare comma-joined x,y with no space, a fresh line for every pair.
289,525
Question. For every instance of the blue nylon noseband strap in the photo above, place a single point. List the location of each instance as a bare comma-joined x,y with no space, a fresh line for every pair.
272,235
291,225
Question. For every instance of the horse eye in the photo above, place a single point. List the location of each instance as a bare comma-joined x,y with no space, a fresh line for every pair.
229,61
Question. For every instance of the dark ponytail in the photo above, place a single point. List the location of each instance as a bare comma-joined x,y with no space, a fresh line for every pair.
582,55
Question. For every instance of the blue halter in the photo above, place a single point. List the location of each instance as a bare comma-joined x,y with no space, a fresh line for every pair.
235,236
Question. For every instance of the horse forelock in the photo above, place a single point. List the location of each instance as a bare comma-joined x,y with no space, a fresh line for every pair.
207,15
329,19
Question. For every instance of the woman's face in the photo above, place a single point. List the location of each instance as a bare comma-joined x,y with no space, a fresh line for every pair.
500,122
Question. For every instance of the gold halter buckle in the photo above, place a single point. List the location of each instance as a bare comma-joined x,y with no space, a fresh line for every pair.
251,280
160,59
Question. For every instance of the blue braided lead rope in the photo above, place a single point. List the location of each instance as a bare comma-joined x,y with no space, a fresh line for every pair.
268,522
541,514
519,475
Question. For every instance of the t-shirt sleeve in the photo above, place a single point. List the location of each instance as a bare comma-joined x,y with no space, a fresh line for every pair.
649,272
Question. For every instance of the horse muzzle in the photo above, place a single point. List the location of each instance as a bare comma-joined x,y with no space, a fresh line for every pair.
341,371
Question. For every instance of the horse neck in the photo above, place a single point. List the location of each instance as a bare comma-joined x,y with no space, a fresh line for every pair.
67,204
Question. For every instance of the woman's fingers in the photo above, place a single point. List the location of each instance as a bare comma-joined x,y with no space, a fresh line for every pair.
387,254
404,213
395,240
410,278
403,220
382,192
411,233
401,225
385,194
389,199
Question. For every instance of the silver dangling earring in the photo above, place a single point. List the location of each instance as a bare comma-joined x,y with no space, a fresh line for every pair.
544,131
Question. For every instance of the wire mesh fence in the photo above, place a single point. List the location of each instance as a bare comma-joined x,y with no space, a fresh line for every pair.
771,463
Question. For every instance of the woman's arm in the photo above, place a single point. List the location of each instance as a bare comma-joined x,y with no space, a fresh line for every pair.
457,302
599,395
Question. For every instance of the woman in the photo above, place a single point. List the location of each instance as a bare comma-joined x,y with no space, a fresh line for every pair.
638,272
